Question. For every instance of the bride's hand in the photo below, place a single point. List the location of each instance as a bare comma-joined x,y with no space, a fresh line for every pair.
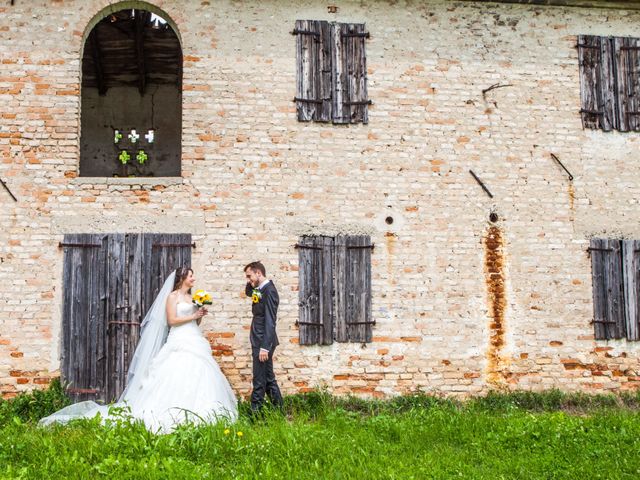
201,312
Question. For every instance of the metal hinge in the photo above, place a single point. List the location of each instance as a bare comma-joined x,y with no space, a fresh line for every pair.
307,100
84,245
356,34
361,102
591,112
372,246
304,32
297,245
168,245
83,390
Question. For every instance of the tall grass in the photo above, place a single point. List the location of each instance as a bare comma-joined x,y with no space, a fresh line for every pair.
522,435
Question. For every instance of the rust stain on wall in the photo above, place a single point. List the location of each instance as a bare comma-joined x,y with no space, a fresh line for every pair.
572,196
390,239
495,279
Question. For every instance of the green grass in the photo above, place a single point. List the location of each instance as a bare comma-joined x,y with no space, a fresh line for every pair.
520,435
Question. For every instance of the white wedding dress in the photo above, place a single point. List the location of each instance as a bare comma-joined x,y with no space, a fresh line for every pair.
183,383
180,383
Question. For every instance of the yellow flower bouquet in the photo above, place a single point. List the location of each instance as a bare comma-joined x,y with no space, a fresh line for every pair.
201,297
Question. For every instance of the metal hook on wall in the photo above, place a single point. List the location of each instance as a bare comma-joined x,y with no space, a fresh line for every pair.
481,184
563,167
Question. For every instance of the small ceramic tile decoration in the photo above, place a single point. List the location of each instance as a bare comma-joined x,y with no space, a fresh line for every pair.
133,136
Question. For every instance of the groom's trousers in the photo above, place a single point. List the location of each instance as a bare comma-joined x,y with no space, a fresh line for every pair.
264,382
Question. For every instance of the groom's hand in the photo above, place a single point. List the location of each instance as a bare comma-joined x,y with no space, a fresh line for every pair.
263,356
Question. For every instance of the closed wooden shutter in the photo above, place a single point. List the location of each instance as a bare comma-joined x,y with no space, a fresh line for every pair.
350,98
313,79
631,266
109,284
84,358
628,83
331,76
597,82
315,290
355,310
608,295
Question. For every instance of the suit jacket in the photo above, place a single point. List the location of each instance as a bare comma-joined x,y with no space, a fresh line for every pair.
265,312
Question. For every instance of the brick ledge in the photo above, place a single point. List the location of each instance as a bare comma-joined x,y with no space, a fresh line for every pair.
142,181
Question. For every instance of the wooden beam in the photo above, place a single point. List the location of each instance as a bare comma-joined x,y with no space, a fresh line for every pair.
142,17
97,61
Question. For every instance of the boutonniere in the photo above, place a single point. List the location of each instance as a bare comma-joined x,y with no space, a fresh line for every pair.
256,295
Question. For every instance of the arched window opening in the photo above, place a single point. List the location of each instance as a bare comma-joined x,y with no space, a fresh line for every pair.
131,117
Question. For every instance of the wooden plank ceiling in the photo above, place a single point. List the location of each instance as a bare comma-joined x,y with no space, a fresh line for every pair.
127,48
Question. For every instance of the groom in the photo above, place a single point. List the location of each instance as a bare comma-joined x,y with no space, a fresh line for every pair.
263,335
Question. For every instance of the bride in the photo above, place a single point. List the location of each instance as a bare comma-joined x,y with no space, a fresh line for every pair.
172,377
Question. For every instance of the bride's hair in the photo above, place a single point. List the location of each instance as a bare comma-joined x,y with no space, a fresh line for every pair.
181,274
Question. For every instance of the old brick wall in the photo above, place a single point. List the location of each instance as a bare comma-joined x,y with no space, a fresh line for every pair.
462,305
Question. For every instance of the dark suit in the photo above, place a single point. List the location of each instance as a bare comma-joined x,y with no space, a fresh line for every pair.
263,335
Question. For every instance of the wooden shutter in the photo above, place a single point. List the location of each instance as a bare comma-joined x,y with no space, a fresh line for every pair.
353,288
627,80
313,79
608,295
83,316
631,266
350,99
597,82
315,293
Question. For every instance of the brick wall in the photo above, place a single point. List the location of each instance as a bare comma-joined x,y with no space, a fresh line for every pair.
462,305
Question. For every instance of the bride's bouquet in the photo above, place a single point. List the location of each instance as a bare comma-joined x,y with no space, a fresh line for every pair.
201,298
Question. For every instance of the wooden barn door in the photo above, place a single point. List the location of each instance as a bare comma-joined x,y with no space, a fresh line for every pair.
110,282
84,316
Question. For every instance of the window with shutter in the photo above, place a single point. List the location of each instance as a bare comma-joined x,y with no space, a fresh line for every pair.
609,82
331,77
334,289
608,295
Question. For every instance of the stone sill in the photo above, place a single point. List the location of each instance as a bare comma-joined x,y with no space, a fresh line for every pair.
142,181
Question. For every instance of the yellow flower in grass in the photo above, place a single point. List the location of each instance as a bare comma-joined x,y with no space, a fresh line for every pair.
240,434
227,431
